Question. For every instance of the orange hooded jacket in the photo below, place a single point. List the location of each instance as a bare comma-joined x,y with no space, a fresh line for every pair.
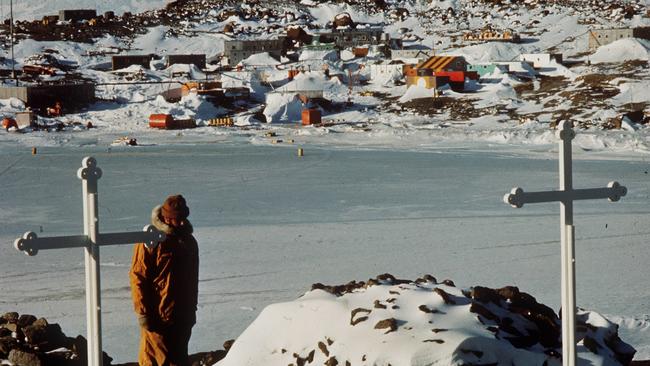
165,279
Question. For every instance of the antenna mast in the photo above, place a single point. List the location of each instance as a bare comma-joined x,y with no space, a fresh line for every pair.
11,39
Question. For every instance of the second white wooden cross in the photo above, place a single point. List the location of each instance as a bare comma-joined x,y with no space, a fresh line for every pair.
566,195
91,240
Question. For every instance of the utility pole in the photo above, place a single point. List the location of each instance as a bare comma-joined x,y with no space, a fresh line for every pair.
11,39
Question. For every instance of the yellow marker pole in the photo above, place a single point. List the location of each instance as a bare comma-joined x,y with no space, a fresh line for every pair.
33,151
301,152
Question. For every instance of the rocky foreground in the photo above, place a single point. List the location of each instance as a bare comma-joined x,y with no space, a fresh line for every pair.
382,321
29,341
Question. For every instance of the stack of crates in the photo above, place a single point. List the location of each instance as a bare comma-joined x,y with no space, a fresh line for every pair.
221,122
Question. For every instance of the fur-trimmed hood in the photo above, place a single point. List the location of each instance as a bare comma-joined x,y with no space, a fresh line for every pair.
158,223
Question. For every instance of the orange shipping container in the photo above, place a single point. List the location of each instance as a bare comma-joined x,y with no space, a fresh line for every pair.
293,73
161,121
8,123
360,52
310,117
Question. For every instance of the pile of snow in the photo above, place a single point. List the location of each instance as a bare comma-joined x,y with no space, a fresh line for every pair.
260,59
282,108
132,69
631,93
310,81
386,321
622,50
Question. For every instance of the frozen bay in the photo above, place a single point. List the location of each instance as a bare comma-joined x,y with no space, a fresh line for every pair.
270,224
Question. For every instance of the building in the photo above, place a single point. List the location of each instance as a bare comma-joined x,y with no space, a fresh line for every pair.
540,60
489,35
521,69
444,63
414,52
198,60
237,50
347,38
77,15
123,61
43,96
386,71
307,85
454,68
487,68
428,81
601,37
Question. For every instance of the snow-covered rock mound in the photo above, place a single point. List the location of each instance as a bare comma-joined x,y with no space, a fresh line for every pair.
386,321
622,50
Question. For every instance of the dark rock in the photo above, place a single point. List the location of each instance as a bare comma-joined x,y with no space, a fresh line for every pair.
205,358
331,362
428,310
35,334
7,343
10,317
23,358
26,320
508,292
41,322
12,327
323,348
426,278
445,296
353,313
343,20
228,344
479,309
390,324
439,341
449,283
485,295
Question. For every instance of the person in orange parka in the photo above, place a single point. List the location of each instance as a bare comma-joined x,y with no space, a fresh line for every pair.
164,287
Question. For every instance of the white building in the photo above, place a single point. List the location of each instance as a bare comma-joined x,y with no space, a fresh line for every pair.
386,71
417,52
540,60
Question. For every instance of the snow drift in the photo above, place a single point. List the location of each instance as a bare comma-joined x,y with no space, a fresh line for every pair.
622,50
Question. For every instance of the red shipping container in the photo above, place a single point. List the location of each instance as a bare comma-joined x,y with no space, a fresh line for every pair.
454,76
310,117
161,121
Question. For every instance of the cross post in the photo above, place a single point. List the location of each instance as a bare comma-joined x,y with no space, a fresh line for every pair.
566,195
91,240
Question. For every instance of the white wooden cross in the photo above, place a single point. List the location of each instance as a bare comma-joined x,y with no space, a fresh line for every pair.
91,240
566,195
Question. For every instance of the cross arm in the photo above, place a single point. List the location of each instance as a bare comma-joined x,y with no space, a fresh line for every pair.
30,243
149,235
517,197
